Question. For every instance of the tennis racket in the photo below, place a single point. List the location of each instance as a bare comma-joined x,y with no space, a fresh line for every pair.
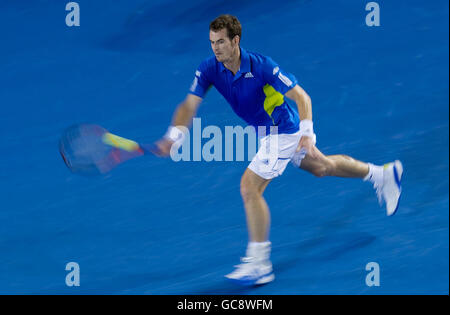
91,150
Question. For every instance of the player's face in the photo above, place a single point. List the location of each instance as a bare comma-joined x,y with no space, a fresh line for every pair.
222,46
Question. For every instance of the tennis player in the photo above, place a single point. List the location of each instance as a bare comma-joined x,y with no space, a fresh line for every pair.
256,87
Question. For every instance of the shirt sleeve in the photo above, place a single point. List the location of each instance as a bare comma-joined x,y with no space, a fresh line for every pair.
280,80
201,83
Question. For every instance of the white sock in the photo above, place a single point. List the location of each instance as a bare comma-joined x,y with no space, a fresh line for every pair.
259,250
375,174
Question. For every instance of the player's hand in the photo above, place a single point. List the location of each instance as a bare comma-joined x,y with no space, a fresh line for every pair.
162,147
307,144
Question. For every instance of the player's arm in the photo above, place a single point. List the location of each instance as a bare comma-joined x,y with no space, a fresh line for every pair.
181,121
182,117
303,101
186,110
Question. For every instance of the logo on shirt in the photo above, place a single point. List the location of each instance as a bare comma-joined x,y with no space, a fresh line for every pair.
194,85
249,75
275,70
284,79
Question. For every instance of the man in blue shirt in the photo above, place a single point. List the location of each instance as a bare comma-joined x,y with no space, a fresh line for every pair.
256,87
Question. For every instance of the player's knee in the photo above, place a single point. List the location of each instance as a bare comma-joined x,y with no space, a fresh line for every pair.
325,169
248,190
319,171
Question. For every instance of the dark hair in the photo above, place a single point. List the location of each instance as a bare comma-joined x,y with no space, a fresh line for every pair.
228,22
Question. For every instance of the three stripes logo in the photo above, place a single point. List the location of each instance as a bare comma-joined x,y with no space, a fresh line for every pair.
195,82
282,77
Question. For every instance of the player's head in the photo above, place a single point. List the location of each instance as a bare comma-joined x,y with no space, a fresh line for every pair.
225,36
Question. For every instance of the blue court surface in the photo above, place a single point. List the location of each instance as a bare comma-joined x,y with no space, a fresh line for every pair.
154,226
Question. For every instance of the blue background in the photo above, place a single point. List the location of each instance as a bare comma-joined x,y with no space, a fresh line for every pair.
153,226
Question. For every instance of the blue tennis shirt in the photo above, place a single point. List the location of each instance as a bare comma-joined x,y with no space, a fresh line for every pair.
256,92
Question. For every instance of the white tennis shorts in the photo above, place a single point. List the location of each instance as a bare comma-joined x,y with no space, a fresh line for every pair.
274,154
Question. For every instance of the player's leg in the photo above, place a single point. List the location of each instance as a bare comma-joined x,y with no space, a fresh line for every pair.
346,166
256,267
270,162
386,179
334,165
256,209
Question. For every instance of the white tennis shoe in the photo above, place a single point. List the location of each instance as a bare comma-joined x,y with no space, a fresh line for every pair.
255,268
390,189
